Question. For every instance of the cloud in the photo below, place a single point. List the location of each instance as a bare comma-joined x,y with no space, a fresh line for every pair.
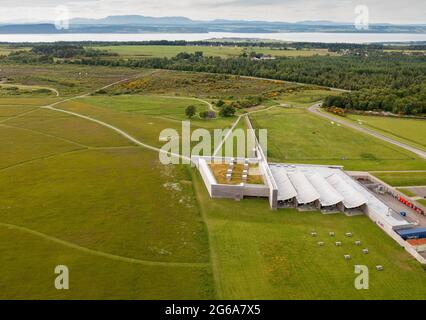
409,11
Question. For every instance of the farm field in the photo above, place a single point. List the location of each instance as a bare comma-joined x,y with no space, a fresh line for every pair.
296,136
149,51
410,131
262,254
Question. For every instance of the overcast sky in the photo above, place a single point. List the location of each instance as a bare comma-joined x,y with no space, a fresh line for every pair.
391,11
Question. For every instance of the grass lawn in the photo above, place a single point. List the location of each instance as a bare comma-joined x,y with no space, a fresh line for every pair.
169,107
146,128
19,146
9,101
78,194
410,131
264,254
304,98
104,201
297,136
407,192
402,179
70,128
11,111
28,263
149,51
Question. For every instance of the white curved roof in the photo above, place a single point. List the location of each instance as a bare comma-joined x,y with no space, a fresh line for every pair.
306,193
286,190
352,198
328,195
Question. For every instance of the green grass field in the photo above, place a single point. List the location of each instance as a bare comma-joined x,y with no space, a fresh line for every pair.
151,105
261,254
402,179
97,206
297,136
148,51
77,193
410,131
304,98
407,192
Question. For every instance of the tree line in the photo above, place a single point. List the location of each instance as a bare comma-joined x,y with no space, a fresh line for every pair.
389,81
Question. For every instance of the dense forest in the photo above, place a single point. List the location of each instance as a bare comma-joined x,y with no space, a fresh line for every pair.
378,80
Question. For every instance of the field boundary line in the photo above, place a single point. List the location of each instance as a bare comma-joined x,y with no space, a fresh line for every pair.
101,253
41,158
119,131
19,115
45,134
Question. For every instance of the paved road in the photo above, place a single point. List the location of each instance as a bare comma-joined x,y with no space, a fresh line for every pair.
314,110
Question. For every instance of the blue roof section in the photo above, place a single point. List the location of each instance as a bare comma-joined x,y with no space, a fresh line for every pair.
406,232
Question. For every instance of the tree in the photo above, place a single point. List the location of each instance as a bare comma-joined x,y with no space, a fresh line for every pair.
227,111
190,111
220,103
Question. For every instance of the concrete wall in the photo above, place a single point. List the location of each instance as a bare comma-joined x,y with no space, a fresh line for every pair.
227,191
207,175
216,190
264,168
252,190
389,189
390,231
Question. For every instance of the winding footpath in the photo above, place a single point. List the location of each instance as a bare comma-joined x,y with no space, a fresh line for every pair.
315,110
100,253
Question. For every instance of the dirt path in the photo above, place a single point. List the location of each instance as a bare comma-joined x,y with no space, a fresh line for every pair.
23,86
191,98
219,147
315,110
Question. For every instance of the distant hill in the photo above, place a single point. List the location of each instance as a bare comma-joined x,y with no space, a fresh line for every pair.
144,24
132,20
